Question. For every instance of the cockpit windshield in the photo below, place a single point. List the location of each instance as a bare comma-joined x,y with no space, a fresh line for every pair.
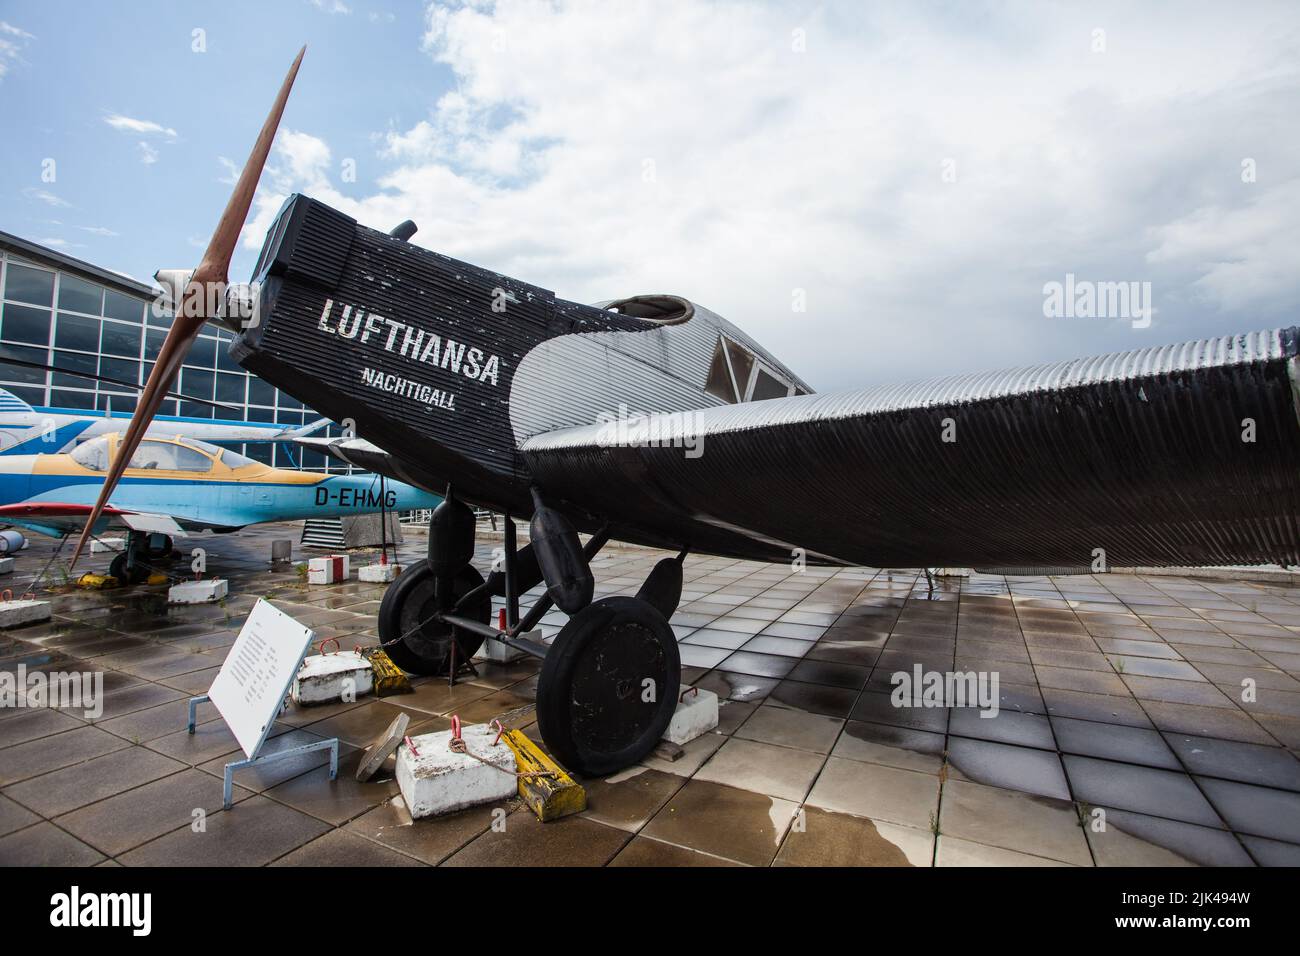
172,454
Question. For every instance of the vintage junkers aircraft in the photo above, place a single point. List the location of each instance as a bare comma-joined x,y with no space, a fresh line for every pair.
498,391
175,485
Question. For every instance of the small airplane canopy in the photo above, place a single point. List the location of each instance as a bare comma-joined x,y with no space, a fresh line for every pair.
160,454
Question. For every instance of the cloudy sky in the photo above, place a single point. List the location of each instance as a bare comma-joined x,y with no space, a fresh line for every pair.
911,174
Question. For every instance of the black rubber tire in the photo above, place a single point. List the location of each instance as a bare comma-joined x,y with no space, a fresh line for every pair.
590,696
408,605
118,569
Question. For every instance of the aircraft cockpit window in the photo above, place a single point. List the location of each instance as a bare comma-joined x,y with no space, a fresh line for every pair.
720,384
92,454
233,459
737,375
169,456
766,386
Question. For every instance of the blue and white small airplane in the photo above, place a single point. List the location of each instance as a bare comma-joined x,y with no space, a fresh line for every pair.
31,430
177,485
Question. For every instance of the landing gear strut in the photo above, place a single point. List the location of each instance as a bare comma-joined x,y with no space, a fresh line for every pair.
610,680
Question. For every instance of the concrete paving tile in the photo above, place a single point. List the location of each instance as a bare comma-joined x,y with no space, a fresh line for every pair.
791,728
524,841
628,800
145,725
338,848
339,800
1285,730
430,840
771,666
1111,785
795,630
877,791
694,754
901,747
763,768
1236,760
645,852
1197,721
1092,659
732,714
27,725
44,754
253,832
1008,767
823,838
954,851
708,637
361,725
813,698
696,655
1128,665
780,646
831,674
1098,707
1137,839
1272,852
45,845
1127,648
210,739
837,650
67,789
1072,678
1013,821
879,708
137,697
1114,742
724,821
1005,726
14,816
122,822
742,688
1258,811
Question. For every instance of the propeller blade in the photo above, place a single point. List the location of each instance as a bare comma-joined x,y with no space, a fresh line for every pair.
208,280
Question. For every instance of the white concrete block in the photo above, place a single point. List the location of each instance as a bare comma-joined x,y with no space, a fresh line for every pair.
499,653
696,715
330,569
952,572
107,545
329,678
440,781
18,613
6,565
378,573
205,591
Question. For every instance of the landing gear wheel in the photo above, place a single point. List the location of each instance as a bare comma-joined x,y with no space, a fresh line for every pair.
608,686
125,574
407,611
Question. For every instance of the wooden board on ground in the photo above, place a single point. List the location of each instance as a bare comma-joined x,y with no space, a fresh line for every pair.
383,747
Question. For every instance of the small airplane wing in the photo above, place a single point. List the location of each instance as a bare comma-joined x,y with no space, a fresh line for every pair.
1172,456
56,518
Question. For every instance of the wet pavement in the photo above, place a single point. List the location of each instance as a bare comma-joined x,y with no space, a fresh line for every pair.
1142,719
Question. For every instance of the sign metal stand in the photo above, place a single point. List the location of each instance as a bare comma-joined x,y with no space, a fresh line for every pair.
251,687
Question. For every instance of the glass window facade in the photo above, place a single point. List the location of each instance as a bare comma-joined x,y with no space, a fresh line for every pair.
51,316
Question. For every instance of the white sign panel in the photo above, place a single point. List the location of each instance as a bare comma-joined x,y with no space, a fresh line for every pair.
255,678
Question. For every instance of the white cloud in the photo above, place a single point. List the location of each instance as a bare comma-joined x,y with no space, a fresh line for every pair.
232,171
99,231
128,124
12,41
148,155
331,6
47,197
607,150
